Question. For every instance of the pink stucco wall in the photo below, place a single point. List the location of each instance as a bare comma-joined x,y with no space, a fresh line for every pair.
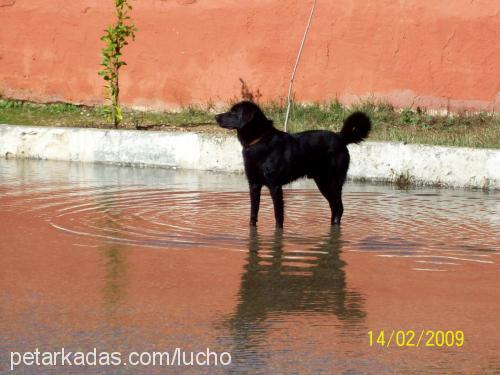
438,54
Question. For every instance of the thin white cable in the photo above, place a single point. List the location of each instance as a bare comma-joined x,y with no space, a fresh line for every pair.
297,63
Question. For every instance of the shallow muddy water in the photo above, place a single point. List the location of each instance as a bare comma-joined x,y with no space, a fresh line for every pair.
135,259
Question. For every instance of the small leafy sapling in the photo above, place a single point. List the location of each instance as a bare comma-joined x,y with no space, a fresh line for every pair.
116,37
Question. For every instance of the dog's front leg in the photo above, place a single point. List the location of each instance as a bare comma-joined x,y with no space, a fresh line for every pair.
255,190
277,195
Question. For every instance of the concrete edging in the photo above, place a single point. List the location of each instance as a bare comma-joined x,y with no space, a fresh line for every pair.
378,161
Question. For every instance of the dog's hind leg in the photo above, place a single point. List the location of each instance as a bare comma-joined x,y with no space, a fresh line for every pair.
331,188
336,205
277,196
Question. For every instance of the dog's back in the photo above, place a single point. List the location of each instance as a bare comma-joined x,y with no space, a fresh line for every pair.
321,152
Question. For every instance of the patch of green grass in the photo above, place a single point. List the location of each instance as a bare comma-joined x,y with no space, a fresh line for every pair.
16,112
469,129
465,129
403,181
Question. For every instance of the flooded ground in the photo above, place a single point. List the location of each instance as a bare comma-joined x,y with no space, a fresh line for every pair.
133,260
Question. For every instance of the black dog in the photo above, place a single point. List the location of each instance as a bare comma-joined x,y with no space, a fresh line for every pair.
274,158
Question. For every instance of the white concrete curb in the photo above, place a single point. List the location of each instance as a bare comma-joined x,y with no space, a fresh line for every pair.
448,166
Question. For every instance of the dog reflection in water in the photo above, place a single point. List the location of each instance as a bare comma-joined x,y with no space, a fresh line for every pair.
277,283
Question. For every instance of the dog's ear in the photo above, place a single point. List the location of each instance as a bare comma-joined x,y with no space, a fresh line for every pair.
247,113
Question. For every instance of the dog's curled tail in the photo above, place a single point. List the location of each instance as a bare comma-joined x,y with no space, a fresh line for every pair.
356,128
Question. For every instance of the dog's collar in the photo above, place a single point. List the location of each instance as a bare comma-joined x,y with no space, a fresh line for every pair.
257,140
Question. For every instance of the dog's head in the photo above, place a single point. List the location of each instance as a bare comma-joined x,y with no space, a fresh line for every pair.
240,115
